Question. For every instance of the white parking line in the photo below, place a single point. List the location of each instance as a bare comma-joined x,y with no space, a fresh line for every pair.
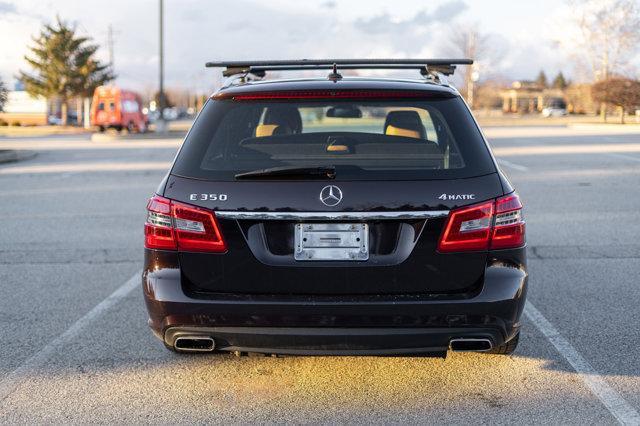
57,145
71,189
511,151
112,166
612,400
512,165
624,157
57,345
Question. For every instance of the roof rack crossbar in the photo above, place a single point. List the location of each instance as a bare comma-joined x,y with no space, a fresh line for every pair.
426,66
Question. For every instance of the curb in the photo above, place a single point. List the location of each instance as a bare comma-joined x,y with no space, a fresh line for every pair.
106,137
622,128
13,155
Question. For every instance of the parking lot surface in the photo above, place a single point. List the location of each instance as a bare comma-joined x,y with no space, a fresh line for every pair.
76,347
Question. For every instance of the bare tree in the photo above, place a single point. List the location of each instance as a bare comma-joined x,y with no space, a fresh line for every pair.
621,92
3,95
609,33
467,41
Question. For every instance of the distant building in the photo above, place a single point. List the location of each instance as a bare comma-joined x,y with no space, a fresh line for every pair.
24,109
527,97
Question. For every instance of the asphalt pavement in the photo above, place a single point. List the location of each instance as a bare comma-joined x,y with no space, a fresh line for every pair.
76,347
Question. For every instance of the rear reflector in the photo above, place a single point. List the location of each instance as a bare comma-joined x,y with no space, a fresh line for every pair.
495,224
330,94
177,226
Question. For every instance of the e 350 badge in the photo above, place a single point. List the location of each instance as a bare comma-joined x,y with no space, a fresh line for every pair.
208,197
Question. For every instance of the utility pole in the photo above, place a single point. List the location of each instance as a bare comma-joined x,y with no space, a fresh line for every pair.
471,53
161,125
110,44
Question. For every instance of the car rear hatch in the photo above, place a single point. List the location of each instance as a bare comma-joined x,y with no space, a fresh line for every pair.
402,238
379,173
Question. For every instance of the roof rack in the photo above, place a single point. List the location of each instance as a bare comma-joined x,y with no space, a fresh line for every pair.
431,68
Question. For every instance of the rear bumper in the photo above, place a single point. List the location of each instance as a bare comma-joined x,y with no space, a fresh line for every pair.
333,341
336,325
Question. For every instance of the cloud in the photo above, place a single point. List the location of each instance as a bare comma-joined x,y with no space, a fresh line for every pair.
385,24
329,4
6,8
197,31
417,35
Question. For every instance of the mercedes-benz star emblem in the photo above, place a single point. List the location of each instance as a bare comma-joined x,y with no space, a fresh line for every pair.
330,195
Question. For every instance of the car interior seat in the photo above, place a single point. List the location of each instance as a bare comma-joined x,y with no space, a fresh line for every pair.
404,123
280,120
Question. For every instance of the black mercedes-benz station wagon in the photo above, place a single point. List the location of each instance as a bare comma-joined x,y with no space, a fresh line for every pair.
335,216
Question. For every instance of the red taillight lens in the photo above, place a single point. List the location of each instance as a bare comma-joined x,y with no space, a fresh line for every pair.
158,230
495,224
197,229
508,227
468,228
176,226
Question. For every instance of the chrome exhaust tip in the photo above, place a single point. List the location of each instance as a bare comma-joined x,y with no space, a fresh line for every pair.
194,344
470,344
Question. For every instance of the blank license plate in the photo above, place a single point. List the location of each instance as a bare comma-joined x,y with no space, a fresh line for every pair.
331,241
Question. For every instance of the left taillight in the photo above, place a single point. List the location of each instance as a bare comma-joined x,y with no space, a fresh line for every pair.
176,226
508,225
495,224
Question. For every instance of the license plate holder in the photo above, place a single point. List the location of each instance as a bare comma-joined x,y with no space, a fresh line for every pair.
331,242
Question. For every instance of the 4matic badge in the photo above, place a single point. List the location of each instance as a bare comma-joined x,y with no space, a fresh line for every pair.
453,197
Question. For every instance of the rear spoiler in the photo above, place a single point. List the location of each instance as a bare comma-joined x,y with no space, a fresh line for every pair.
432,68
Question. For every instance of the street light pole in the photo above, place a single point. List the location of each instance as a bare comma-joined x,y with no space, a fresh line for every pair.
161,126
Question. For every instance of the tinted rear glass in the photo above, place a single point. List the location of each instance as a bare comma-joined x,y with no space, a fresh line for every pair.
389,139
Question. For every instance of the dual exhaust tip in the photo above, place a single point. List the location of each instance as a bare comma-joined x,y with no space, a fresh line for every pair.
194,344
207,344
470,344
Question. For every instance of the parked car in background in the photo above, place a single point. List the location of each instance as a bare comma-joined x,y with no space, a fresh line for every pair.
118,109
557,107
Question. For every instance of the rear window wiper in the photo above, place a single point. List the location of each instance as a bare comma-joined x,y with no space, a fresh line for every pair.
291,172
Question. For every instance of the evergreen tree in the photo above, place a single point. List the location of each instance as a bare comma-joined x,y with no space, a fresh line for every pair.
541,80
560,82
64,65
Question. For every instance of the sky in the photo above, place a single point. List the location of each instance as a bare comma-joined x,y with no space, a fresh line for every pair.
523,36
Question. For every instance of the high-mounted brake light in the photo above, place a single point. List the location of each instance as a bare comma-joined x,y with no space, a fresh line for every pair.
177,226
495,224
329,94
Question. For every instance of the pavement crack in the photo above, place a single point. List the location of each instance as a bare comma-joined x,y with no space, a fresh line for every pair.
608,251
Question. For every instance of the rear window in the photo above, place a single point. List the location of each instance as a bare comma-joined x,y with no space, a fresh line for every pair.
391,139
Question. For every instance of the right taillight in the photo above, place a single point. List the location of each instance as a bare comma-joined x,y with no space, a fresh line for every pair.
176,226
495,224
196,229
158,231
